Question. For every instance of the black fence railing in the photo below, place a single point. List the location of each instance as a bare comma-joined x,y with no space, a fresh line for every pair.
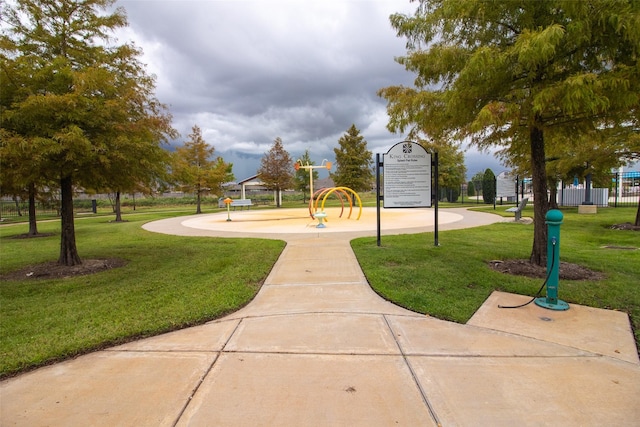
622,190
20,208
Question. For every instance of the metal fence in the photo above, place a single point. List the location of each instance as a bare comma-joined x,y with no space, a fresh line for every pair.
465,194
623,190
15,209
20,208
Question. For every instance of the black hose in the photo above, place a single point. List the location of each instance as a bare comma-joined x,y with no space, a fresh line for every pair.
553,260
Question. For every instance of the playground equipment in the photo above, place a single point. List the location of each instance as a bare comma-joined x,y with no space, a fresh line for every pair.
228,202
320,217
298,165
326,192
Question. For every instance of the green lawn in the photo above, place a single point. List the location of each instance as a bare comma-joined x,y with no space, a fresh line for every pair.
453,280
171,282
168,283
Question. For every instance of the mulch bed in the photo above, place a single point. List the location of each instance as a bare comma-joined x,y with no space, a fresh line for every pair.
625,226
53,270
568,271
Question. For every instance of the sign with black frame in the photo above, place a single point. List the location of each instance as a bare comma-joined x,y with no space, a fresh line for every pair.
407,177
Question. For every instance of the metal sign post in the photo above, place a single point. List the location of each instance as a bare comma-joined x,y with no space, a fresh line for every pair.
379,197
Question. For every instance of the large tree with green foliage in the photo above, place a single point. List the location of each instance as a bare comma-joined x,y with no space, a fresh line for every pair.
20,174
503,73
451,168
78,99
195,170
354,162
276,169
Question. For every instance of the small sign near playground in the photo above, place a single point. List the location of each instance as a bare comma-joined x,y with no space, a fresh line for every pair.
506,185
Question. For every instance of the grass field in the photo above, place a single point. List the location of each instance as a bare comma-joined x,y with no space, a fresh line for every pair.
453,280
169,282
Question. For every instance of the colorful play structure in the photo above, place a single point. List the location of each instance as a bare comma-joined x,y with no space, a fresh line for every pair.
324,193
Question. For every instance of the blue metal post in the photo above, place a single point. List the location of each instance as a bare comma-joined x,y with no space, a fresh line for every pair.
553,220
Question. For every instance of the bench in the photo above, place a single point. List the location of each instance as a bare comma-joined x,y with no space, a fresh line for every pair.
518,210
241,203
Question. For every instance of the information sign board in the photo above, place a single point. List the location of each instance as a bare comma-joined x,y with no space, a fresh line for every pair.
407,176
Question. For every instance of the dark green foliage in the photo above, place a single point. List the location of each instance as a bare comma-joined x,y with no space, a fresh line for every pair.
523,75
76,109
471,189
452,194
489,187
354,162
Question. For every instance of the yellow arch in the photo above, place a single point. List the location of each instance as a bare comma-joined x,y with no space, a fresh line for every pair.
343,190
325,192
316,196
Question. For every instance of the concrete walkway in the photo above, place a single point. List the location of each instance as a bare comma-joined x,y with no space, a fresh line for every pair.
317,347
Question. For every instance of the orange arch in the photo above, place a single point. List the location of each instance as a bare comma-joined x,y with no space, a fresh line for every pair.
324,193
314,208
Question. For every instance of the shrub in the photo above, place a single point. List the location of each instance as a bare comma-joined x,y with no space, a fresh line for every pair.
489,187
471,189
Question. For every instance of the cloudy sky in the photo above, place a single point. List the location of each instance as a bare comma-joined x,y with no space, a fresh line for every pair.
248,71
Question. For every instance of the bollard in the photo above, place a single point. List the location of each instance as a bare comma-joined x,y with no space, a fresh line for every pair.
227,202
553,221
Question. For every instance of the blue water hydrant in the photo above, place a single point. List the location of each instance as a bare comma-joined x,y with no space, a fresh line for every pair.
553,220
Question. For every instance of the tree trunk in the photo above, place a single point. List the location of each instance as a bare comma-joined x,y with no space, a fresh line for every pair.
637,224
553,194
278,197
33,224
118,210
540,200
17,203
198,210
68,251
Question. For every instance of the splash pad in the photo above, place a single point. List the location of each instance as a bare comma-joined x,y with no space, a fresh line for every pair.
326,192
274,223
277,221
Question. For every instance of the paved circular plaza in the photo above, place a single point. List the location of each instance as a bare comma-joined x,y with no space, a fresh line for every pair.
295,223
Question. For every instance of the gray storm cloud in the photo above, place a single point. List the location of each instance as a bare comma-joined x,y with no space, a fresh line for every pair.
247,72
